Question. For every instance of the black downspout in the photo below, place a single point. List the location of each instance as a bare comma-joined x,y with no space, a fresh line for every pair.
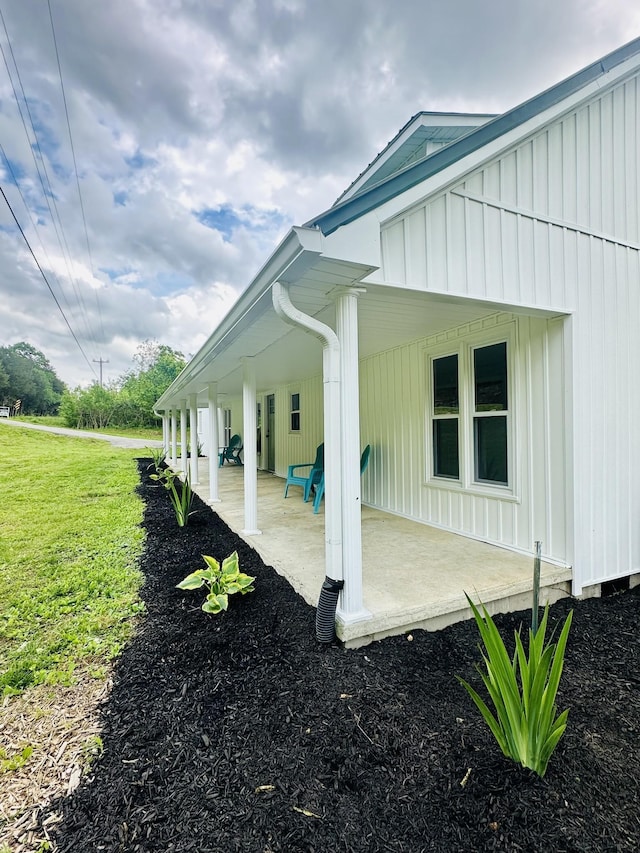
326,610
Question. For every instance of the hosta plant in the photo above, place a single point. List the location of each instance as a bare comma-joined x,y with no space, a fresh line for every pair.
221,581
522,690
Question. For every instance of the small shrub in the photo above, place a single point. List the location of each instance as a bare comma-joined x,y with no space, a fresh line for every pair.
221,581
523,691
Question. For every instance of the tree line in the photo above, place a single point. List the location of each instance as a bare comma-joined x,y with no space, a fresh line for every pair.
128,402
28,380
27,377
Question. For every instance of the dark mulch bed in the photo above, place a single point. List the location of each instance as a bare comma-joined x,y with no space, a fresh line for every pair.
365,750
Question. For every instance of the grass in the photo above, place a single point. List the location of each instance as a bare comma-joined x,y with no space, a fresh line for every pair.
44,420
70,538
152,433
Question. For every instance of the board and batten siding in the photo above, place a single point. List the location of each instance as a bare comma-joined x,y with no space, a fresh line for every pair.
395,405
554,223
606,414
298,447
514,230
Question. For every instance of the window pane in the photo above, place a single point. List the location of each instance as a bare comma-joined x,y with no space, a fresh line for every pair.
295,421
445,448
445,385
490,375
295,402
491,449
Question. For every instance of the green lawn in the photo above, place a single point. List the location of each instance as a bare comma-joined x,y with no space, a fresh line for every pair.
69,545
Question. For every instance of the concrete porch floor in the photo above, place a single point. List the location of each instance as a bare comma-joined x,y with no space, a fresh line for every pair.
414,575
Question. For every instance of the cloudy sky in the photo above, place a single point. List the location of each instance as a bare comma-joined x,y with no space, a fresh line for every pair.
201,130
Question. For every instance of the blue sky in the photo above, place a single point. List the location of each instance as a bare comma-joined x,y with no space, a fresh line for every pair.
203,129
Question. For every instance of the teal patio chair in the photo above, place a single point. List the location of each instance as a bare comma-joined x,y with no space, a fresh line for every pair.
232,452
364,461
311,478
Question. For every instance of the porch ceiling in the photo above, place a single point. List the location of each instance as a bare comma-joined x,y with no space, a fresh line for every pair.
387,317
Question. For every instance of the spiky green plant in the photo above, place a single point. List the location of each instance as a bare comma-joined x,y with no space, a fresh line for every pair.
523,691
182,499
157,455
221,581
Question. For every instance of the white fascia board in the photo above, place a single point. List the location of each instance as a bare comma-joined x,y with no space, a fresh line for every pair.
299,248
441,181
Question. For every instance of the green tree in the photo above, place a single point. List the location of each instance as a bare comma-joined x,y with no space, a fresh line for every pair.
157,367
130,401
27,375
4,381
89,408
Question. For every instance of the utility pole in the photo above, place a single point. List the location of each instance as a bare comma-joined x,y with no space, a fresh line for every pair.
101,361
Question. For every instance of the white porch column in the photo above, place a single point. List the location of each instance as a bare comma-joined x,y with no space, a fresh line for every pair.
183,437
250,455
350,606
173,453
214,442
193,425
165,433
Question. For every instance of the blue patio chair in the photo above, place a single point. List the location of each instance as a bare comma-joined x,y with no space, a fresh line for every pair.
311,478
232,452
364,461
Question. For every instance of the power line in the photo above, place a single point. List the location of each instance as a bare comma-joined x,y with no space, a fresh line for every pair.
33,223
75,166
55,298
62,240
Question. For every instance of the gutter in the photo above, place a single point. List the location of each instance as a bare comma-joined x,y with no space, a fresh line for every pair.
286,310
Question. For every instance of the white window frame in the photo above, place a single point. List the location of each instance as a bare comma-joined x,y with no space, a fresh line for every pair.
465,349
475,414
447,416
293,412
226,427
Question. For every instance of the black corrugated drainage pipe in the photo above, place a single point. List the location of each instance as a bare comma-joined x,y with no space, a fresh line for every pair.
326,610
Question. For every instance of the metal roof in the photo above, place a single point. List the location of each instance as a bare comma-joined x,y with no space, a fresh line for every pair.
371,197
415,140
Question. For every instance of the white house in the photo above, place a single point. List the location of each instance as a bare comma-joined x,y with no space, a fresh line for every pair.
470,307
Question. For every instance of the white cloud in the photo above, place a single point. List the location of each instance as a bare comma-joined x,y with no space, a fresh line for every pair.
204,128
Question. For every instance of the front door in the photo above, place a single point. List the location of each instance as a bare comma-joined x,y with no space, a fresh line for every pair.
271,432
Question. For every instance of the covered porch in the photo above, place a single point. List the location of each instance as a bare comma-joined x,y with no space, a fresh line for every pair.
413,575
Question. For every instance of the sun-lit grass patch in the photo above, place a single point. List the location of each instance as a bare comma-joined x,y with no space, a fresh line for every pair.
69,544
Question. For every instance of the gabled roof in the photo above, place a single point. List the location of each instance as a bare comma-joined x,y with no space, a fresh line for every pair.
423,134
370,197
